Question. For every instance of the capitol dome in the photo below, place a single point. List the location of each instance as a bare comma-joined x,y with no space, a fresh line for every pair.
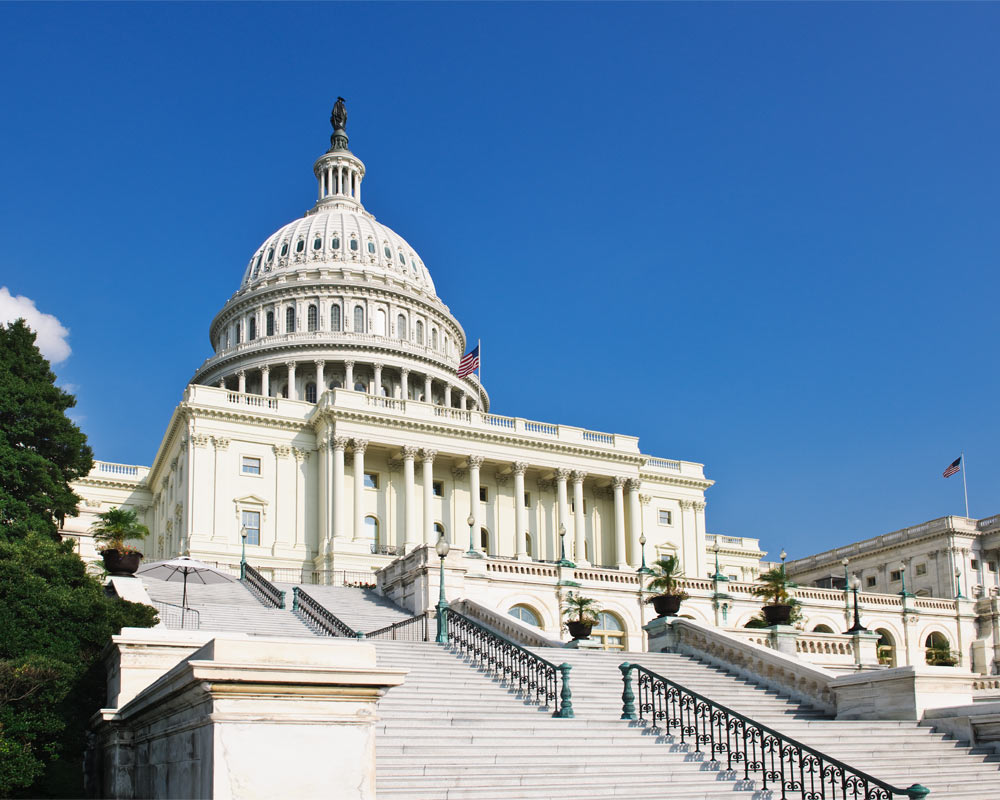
337,300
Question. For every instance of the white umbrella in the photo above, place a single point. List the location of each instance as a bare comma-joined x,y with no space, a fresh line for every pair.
179,569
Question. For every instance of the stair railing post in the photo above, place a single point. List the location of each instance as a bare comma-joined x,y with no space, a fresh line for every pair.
628,699
295,598
917,792
566,696
282,598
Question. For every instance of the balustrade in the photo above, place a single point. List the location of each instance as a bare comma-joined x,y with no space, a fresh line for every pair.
268,593
308,607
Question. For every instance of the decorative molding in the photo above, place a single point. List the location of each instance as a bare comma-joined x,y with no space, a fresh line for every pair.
300,454
220,443
562,474
201,440
618,481
578,476
428,455
458,473
359,445
281,450
519,467
339,443
475,462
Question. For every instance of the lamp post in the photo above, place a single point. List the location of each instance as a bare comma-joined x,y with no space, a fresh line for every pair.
643,570
472,552
243,556
442,549
563,561
782,555
902,575
847,580
718,576
857,627
958,584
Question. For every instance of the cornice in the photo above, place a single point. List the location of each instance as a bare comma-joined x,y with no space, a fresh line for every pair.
670,480
110,483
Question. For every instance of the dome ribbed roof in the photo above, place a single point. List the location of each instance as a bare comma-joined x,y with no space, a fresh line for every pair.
325,236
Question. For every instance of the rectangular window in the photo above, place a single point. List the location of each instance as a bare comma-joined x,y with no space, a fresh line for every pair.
975,563
921,569
869,582
733,578
250,465
664,517
991,566
437,487
371,480
527,499
484,494
895,575
251,524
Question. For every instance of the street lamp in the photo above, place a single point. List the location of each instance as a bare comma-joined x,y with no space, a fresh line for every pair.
642,543
847,581
857,627
472,552
243,557
902,575
442,547
958,584
718,576
782,555
563,561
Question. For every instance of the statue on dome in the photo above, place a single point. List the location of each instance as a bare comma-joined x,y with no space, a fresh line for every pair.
338,117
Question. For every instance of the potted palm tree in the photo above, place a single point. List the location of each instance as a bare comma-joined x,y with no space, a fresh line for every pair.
583,613
668,601
112,528
773,589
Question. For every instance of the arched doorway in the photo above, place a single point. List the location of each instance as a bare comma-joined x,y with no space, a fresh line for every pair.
886,648
938,650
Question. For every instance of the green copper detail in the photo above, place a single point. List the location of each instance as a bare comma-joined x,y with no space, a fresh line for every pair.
566,696
628,698
917,791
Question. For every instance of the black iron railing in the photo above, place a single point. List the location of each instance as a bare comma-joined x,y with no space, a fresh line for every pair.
413,629
516,666
309,608
269,594
781,763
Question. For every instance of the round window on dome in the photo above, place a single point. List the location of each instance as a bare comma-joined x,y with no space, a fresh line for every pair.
335,243
317,243
284,249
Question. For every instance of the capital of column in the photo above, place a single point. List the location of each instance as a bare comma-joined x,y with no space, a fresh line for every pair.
686,505
645,499
281,450
290,364
404,372
266,369
349,363
519,467
378,365
300,454
634,484
618,481
360,445
339,443
241,373
220,444
699,505
428,455
475,462
562,474
320,363
410,453
578,476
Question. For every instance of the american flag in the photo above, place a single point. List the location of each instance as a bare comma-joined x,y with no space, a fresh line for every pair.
953,467
469,363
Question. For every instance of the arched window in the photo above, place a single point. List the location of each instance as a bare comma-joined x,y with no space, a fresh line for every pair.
252,329
359,386
484,540
290,319
420,332
336,384
528,545
401,331
335,243
317,243
284,249
312,318
371,247
438,531
609,631
270,255
939,650
310,392
525,614
380,322
334,317
354,244
371,529
270,323
402,258
823,629
359,319
300,246
886,648
434,338
238,332
388,252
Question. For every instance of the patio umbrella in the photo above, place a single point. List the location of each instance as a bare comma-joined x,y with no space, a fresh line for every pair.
183,568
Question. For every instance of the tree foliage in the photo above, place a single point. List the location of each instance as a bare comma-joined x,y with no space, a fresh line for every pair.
116,525
41,450
585,608
666,571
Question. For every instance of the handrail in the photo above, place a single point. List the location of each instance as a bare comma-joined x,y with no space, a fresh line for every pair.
800,770
267,592
309,607
413,629
510,662
169,613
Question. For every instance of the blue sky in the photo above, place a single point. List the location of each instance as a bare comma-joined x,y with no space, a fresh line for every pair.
763,237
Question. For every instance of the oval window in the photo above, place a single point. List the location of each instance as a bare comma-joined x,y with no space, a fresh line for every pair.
300,246
335,243
354,244
284,249
371,247
388,253
270,255
317,243
402,259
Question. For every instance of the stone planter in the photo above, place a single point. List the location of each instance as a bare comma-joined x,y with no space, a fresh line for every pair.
121,564
667,605
777,614
579,630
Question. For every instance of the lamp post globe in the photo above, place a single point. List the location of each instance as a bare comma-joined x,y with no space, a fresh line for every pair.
472,552
642,547
847,581
857,627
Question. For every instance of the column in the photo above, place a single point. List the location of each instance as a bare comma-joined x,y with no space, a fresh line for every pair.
340,180
349,375
463,402
222,383
427,459
357,189
320,380
359,488
580,519
409,501
428,395
621,557
405,385
329,180
242,375
562,503
377,389
292,392
447,397
475,462
635,520
520,513
265,381
339,444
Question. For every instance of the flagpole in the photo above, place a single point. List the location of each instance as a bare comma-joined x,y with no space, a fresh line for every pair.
482,392
965,486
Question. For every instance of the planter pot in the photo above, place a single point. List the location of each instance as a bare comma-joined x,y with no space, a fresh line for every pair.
777,614
666,605
121,564
579,630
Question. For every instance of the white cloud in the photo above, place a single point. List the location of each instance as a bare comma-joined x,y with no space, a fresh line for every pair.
50,333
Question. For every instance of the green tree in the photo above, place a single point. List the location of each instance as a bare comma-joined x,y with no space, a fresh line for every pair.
41,450
585,608
666,571
116,525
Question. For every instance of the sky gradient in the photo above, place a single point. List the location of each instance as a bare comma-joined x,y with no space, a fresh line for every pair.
762,237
